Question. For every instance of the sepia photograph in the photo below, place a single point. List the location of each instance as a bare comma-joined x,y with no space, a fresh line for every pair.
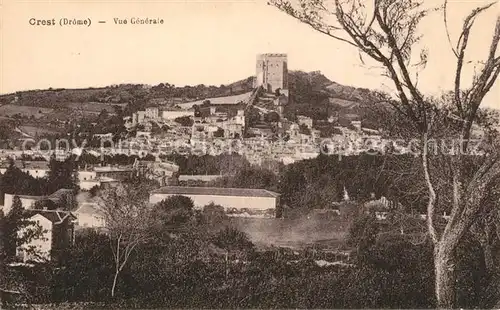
249,154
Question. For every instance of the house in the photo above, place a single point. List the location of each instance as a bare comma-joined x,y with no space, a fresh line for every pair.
304,120
143,134
86,175
62,198
88,215
162,171
87,179
357,125
115,172
233,130
36,169
108,135
102,176
244,202
27,201
152,112
138,117
57,233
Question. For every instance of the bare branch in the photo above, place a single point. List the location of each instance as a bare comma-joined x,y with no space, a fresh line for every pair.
446,27
286,7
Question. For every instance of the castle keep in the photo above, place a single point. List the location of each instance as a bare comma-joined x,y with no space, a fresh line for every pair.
272,72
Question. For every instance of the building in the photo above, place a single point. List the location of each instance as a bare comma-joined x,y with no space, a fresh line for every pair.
55,200
173,114
57,233
27,201
152,113
357,125
239,118
272,72
36,169
138,117
88,215
164,172
108,135
304,120
232,130
114,172
242,202
87,179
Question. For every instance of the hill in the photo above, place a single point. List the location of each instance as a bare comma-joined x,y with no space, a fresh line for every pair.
314,95
311,94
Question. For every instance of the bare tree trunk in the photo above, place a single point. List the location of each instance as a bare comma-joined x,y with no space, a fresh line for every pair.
483,237
113,288
445,276
484,231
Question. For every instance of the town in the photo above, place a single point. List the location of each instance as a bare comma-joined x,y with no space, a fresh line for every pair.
282,189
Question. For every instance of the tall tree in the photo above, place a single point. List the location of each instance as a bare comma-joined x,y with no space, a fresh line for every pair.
387,32
127,217
62,174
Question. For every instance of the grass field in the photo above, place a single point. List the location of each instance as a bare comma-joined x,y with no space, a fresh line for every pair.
294,233
9,110
91,107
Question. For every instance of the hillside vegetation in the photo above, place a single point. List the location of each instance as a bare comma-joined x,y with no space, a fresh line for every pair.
311,94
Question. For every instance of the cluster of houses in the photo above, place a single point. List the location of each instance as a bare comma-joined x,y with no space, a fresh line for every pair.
64,212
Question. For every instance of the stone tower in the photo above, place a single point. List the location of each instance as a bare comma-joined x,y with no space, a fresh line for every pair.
272,72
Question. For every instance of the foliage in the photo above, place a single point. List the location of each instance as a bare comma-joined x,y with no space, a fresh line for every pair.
208,164
232,239
62,174
18,229
127,219
14,181
173,213
251,177
319,182
185,121
219,133
304,129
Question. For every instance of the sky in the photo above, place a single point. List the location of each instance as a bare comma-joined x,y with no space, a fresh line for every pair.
201,42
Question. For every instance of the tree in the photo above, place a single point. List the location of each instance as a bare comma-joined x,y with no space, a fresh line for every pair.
233,241
219,133
213,213
127,217
272,117
174,212
388,34
14,181
15,229
304,129
14,222
87,265
253,116
62,174
184,121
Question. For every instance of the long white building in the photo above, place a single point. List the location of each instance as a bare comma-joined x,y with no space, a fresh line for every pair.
236,201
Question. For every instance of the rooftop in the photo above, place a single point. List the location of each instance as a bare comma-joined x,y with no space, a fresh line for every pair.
55,216
215,191
89,208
